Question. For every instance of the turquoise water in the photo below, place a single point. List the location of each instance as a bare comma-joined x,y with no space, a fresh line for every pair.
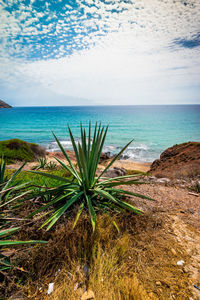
153,128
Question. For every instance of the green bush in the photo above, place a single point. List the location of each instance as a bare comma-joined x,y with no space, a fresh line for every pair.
16,149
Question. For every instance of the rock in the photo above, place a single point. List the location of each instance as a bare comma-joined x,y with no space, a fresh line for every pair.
182,186
124,157
180,263
163,180
50,288
4,104
88,295
115,172
105,156
181,160
152,178
158,283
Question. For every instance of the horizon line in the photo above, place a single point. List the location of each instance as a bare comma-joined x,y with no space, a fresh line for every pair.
107,105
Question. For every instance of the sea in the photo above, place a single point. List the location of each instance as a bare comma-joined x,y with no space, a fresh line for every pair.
153,128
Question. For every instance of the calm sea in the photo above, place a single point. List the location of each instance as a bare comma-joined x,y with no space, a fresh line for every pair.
153,128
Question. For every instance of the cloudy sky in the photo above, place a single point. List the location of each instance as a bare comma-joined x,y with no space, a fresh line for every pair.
96,52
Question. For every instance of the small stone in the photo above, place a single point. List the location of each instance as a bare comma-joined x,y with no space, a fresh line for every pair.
163,180
88,295
50,288
152,178
158,283
180,263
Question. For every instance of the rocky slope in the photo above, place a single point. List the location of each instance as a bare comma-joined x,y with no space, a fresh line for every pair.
181,160
4,104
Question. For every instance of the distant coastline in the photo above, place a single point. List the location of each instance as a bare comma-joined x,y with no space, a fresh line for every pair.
4,104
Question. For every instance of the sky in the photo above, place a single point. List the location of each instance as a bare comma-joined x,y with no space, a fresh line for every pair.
99,52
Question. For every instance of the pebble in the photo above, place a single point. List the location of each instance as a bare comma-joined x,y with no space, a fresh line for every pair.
163,180
50,288
180,263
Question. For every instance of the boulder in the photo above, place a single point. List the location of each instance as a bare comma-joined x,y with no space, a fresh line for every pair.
115,172
104,157
181,160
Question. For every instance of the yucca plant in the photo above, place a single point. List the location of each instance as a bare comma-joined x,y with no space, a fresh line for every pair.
51,165
9,190
42,163
85,188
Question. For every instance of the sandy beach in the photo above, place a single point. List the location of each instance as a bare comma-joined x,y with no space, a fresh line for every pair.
128,165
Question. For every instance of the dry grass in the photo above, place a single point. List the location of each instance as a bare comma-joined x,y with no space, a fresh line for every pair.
123,265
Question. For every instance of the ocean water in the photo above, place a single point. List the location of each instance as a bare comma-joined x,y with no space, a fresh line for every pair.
153,128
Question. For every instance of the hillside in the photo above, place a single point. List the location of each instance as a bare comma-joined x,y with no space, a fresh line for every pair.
4,104
181,160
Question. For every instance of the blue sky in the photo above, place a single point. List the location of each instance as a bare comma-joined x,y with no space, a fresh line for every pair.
98,52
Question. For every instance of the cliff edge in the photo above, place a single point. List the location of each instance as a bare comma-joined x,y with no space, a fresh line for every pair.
181,160
4,104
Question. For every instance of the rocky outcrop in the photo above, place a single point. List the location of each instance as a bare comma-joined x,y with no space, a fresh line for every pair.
4,104
115,172
181,160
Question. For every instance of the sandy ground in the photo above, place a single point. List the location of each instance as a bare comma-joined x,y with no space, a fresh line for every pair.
126,164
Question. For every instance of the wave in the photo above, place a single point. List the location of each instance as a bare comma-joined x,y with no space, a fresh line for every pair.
137,152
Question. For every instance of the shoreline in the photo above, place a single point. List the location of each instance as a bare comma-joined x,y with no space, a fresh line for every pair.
128,165
120,163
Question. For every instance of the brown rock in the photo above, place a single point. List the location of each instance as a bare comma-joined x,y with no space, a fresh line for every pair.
115,172
4,104
181,160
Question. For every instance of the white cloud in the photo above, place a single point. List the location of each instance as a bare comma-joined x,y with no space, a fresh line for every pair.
126,57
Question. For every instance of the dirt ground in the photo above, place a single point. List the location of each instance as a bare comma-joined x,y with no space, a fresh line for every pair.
166,252
178,216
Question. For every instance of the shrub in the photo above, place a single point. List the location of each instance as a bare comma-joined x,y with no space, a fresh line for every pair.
42,163
9,193
90,192
16,149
